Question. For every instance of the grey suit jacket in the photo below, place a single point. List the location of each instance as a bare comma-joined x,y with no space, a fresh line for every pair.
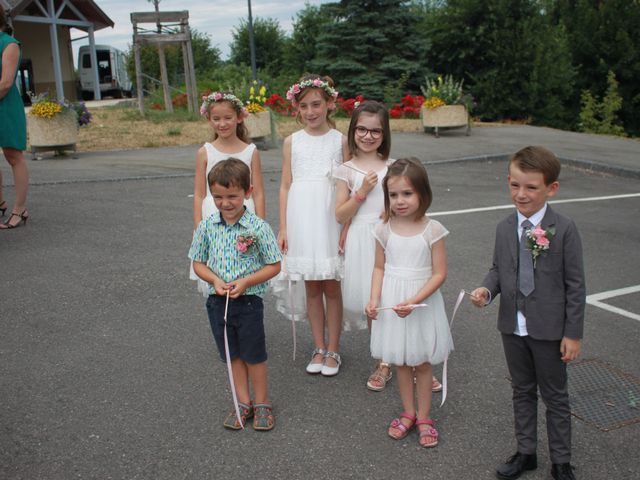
555,309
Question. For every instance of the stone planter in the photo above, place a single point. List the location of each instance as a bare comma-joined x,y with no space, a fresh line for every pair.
259,124
447,116
58,133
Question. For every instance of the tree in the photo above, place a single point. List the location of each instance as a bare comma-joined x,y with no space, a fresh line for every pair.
515,61
369,44
269,41
301,46
603,37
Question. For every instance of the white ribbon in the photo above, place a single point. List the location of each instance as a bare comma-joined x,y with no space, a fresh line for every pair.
412,305
444,368
291,303
229,369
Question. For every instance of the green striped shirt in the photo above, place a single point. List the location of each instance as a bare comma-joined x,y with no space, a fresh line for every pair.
215,243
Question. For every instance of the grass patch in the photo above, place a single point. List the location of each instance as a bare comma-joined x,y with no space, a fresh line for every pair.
124,128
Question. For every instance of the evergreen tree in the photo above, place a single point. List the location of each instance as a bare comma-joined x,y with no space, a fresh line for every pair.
301,46
516,63
605,36
370,43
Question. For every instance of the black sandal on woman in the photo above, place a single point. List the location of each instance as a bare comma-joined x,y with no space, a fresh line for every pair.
24,216
3,207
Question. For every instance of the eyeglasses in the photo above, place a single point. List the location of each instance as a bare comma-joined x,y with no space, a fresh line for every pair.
361,131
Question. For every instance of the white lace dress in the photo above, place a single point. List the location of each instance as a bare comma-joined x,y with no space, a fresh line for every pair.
360,247
208,206
422,336
312,229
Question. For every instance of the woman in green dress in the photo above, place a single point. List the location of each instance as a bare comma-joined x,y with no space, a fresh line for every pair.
13,126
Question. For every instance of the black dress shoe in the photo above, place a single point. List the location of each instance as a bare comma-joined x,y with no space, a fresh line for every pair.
516,465
562,471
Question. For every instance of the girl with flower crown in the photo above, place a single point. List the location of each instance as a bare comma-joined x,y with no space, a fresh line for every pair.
225,114
309,232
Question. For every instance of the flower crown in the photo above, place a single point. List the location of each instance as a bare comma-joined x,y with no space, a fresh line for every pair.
214,97
296,88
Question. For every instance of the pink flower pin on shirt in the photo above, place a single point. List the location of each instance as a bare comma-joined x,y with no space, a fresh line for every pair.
539,240
245,242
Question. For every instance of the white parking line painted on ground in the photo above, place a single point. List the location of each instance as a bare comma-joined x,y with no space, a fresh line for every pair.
504,207
596,298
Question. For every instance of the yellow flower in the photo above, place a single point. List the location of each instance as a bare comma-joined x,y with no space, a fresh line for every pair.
46,109
253,107
433,102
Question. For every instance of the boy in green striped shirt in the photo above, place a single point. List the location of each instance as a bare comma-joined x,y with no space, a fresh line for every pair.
236,252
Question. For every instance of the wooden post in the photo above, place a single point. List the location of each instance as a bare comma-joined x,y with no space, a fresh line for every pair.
136,53
187,77
168,106
192,72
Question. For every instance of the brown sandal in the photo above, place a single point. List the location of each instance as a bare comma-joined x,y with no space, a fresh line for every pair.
377,381
263,416
246,412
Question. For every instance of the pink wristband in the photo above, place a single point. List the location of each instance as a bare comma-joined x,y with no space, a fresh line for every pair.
359,198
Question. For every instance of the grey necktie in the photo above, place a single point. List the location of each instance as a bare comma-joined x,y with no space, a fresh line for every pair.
525,263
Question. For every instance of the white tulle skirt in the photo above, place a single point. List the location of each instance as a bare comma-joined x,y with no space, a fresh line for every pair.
359,258
423,336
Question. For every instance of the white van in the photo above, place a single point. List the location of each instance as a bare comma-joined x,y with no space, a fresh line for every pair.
112,72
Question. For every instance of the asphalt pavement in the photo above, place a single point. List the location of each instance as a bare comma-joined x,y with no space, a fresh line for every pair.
108,369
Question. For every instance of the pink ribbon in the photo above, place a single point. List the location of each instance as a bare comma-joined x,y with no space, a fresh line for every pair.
229,369
444,368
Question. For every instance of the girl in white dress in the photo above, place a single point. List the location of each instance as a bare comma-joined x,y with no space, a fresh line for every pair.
359,206
410,327
309,231
226,115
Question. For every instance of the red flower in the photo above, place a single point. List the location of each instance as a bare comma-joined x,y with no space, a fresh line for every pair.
395,112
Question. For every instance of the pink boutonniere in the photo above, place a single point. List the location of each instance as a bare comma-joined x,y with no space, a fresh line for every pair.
245,242
539,240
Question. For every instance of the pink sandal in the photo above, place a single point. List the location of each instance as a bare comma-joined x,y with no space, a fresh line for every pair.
398,425
427,433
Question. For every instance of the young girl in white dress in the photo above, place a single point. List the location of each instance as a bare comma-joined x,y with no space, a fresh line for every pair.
360,205
309,231
410,327
226,115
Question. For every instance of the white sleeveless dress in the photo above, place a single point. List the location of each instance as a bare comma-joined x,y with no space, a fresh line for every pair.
422,336
208,206
360,247
312,229
214,156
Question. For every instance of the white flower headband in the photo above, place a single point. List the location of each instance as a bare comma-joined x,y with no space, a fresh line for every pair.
214,97
296,88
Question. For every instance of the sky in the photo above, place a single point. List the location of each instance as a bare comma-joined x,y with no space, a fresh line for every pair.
217,18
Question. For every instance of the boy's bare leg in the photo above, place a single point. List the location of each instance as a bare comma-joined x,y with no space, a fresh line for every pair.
241,380
258,377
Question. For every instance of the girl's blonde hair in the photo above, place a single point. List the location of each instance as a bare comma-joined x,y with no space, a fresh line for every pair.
303,92
416,174
241,129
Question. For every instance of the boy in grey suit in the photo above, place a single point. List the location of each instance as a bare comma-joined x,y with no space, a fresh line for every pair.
538,272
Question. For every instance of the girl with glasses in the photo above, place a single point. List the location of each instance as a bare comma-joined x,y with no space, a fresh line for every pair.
360,202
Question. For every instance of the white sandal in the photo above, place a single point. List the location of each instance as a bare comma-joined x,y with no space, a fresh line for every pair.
331,371
312,367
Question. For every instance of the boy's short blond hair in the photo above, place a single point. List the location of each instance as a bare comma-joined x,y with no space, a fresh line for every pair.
230,173
538,159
